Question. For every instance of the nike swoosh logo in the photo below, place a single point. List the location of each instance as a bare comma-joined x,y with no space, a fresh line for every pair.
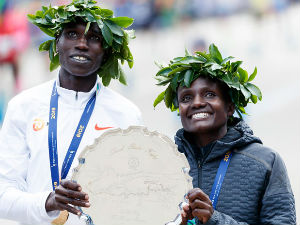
101,128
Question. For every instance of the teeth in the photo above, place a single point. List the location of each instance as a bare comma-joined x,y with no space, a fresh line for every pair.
80,58
200,115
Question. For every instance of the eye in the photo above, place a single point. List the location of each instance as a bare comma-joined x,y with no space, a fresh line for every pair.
186,98
210,94
72,34
95,38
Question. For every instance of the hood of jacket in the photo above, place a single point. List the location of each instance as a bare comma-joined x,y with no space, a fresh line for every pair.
237,136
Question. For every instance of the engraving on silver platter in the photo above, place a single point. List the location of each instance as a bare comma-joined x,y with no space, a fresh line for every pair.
133,163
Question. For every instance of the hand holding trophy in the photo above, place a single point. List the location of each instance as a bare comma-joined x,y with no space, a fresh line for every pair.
132,177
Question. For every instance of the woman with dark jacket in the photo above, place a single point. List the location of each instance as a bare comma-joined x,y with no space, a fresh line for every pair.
236,179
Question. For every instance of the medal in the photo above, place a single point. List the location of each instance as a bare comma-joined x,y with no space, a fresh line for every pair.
61,219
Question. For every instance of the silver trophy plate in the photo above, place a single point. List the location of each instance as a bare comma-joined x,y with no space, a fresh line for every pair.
132,176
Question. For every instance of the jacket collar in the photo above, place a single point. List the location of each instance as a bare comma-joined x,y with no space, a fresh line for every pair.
76,99
237,136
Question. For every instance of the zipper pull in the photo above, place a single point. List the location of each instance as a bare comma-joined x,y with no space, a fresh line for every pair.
199,163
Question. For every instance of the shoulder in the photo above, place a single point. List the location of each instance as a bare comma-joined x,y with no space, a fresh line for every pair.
29,102
38,94
119,107
261,154
117,102
268,163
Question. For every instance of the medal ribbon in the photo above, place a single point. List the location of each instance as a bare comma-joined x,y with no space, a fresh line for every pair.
52,137
215,191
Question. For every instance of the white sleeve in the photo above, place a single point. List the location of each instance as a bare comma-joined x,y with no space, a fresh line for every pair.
15,202
139,118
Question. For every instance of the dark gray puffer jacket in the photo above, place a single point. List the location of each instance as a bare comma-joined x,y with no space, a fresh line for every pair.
256,188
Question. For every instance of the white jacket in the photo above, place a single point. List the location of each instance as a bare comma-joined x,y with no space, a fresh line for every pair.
25,179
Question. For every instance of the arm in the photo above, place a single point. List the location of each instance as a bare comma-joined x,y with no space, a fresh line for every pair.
278,203
219,218
15,202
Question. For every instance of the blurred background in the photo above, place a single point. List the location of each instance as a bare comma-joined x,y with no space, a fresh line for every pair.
262,33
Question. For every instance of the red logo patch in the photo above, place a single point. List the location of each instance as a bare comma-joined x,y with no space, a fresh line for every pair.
38,124
101,128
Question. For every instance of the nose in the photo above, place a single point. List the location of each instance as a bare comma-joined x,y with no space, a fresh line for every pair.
82,43
198,102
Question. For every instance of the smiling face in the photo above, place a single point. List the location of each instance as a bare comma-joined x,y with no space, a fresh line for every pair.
204,108
80,54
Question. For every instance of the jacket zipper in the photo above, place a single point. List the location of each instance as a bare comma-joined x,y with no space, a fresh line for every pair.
200,173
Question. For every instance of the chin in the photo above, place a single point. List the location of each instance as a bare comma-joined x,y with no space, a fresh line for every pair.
80,70
201,128
78,73
81,75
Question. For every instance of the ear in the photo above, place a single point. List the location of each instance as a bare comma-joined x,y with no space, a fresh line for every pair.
230,109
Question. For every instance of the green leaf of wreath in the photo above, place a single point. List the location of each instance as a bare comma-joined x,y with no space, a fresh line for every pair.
122,77
245,92
254,99
107,34
215,54
123,21
52,50
114,28
253,75
45,46
106,80
188,78
243,75
55,63
159,98
106,13
254,90
168,97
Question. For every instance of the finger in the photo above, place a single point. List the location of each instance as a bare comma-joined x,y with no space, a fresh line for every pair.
68,184
188,211
183,218
200,205
186,208
72,201
183,214
197,193
71,194
202,214
69,208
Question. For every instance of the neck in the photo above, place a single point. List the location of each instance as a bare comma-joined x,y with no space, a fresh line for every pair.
77,83
204,139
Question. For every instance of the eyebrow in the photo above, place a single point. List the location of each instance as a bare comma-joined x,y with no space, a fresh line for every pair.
93,29
205,89
184,91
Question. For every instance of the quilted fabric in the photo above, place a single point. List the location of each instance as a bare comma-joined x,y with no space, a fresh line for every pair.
256,188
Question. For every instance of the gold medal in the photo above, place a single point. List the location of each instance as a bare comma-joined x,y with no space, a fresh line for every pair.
61,219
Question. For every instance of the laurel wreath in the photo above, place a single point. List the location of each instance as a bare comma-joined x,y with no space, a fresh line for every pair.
182,71
51,20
